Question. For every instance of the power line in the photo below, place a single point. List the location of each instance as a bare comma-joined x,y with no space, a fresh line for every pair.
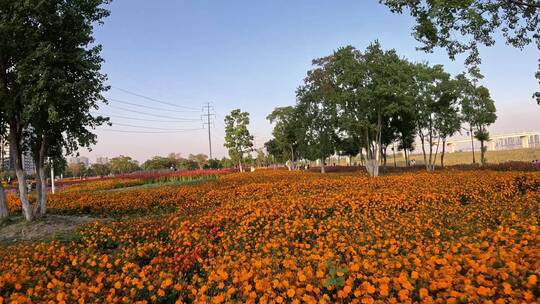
145,127
153,99
215,137
153,132
221,120
148,107
154,115
150,120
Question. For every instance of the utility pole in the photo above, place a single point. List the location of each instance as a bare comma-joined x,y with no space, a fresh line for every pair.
207,110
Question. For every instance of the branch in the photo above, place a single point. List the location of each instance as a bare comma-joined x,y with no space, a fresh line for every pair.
522,3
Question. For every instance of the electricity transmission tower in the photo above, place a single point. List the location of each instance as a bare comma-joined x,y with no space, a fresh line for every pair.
208,110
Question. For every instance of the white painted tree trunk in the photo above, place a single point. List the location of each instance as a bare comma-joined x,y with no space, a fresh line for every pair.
23,195
373,159
372,167
16,154
240,166
323,170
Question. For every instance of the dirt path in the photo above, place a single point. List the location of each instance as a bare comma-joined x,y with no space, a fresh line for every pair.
50,227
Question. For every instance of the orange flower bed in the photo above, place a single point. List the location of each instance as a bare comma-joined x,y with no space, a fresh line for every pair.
104,184
280,237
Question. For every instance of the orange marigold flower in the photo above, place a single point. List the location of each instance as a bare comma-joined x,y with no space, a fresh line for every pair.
483,291
290,293
423,293
532,280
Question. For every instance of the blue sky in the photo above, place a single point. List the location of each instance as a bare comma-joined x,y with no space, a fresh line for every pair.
252,55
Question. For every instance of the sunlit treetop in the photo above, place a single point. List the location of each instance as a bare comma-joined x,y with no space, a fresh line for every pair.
461,26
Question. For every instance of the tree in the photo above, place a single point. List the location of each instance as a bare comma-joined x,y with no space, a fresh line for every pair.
227,162
262,158
449,123
286,133
50,80
213,164
200,159
123,164
462,26
77,169
186,164
467,112
348,146
237,137
101,169
480,112
275,151
317,121
160,163
371,88
406,132
436,108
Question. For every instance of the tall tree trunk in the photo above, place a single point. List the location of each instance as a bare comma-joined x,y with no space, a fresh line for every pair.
394,155
372,160
292,159
435,156
472,144
323,170
3,203
372,166
406,157
442,153
383,152
16,154
41,179
240,156
374,154
430,138
422,140
39,184
482,153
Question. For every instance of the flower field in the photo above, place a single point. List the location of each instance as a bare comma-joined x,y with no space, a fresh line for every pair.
282,237
142,177
91,196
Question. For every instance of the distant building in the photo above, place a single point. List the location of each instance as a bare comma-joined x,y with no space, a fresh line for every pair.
80,160
4,154
497,142
7,163
102,160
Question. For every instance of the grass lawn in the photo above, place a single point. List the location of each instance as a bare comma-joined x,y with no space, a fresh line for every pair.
459,158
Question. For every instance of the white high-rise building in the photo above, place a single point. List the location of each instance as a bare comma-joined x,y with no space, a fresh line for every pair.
4,154
7,163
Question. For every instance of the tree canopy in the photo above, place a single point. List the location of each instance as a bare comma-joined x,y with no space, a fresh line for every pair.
237,137
50,80
123,164
363,102
463,26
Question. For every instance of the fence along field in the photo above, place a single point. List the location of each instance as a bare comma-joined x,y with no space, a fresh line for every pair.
288,237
